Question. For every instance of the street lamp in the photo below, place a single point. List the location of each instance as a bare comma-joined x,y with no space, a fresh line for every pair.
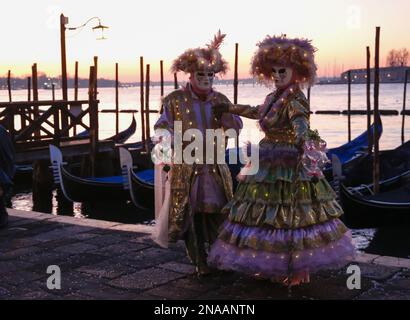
63,28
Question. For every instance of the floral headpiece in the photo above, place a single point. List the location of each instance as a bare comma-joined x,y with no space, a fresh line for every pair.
279,50
208,58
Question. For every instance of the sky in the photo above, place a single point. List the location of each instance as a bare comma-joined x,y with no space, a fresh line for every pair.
161,30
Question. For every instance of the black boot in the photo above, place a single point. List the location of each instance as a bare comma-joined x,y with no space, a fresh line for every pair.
4,217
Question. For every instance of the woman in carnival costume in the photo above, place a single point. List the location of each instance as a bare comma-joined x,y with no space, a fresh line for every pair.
283,221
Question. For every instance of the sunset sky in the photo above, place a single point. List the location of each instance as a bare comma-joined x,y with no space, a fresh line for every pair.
158,29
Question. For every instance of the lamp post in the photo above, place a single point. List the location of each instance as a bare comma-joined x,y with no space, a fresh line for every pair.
63,28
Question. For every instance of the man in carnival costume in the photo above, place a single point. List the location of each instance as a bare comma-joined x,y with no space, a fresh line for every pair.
283,221
196,191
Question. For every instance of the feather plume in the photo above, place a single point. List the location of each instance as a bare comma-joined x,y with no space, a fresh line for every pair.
217,41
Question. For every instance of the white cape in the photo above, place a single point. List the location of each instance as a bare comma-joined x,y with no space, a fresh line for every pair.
162,205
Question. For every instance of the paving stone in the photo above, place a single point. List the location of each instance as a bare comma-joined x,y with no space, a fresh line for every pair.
120,248
178,267
398,284
53,244
109,293
19,253
21,277
107,269
145,296
73,282
331,289
41,260
37,295
392,261
9,266
5,293
169,291
76,248
105,260
84,236
384,294
145,279
365,258
377,272
137,228
84,259
105,240
148,257
11,244
195,284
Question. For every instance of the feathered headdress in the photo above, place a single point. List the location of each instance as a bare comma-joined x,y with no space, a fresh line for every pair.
208,58
279,50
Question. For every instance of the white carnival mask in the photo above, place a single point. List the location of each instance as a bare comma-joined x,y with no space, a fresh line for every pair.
282,75
203,80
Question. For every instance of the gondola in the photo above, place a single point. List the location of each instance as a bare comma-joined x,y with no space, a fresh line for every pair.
24,172
90,189
391,206
120,137
348,153
140,183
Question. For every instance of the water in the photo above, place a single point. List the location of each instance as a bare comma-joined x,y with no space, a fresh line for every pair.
333,128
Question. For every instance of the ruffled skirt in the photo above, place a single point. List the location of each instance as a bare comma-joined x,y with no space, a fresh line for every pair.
268,235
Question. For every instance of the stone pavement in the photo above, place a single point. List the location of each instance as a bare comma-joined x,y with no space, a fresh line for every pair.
108,260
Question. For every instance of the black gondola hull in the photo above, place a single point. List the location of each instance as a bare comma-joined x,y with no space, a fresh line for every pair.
143,193
361,213
83,190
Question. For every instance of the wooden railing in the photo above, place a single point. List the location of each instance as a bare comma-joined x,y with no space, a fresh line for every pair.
38,123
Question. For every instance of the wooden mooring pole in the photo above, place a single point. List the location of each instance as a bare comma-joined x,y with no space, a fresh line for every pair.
376,160
175,81
117,120
95,77
93,121
368,102
64,85
161,64
76,81
36,112
9,84
235,94
147,111
142,100
42,186
349,104
406,77
28,88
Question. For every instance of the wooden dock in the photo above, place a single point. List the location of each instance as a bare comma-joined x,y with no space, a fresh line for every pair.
109,260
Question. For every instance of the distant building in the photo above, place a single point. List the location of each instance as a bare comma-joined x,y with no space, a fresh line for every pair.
388,74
